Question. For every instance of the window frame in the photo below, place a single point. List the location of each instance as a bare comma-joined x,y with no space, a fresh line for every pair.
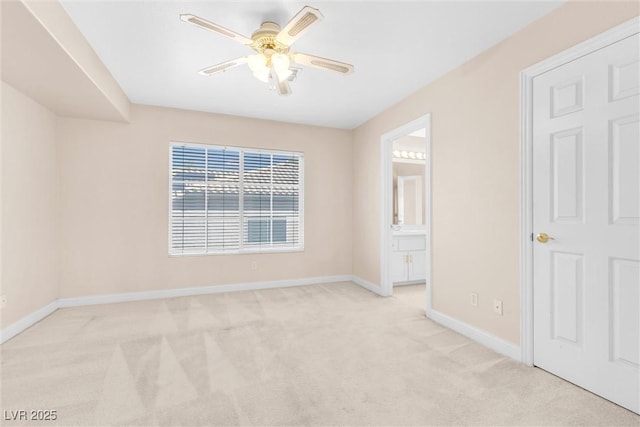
243,248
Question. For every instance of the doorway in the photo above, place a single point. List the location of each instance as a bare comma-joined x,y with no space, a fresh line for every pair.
581,212
405,226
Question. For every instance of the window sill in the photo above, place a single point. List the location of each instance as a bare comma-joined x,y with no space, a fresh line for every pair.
239,252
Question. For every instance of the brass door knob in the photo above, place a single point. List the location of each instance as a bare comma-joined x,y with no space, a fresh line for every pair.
543,237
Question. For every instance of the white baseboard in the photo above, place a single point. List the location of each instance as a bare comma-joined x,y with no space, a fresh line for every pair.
27,321
410,283
491,341
202,290
24,323
367,285
494,343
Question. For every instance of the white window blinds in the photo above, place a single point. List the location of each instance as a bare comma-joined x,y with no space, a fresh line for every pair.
230,200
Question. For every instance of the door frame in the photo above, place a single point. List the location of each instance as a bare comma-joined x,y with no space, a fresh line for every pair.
386,200
609,37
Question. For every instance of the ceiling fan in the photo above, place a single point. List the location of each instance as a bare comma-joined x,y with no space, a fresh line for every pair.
272,61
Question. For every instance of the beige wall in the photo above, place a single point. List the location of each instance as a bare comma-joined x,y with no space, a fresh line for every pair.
29,206
114,202
475,181
53,17
38,35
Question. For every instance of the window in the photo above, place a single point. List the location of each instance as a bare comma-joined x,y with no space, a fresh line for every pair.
233,200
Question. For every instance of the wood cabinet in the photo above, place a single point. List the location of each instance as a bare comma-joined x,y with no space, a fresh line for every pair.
408,258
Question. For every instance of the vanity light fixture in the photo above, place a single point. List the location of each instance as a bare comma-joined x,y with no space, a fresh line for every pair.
411,155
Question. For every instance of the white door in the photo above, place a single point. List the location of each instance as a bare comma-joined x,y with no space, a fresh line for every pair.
586,196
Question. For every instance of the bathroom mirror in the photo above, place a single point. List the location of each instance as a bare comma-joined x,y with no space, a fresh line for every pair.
409,196
408,181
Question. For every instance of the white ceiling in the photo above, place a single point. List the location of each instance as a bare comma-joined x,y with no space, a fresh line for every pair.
396,47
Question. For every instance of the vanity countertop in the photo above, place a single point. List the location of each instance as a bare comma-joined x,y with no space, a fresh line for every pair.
400,233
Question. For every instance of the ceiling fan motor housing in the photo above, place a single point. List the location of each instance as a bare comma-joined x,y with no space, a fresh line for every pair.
264,38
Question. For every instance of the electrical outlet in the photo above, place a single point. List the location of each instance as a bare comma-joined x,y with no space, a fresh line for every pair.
474,299
3,301
254,265
497,307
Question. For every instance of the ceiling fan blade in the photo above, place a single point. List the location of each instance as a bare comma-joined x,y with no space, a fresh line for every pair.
322,63
298,25
223,66
283,87
203,23
281,84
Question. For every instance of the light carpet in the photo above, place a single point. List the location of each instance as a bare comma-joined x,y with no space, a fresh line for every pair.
313,355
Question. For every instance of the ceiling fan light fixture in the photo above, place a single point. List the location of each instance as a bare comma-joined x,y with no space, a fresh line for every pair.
257,62
280,62
262,74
